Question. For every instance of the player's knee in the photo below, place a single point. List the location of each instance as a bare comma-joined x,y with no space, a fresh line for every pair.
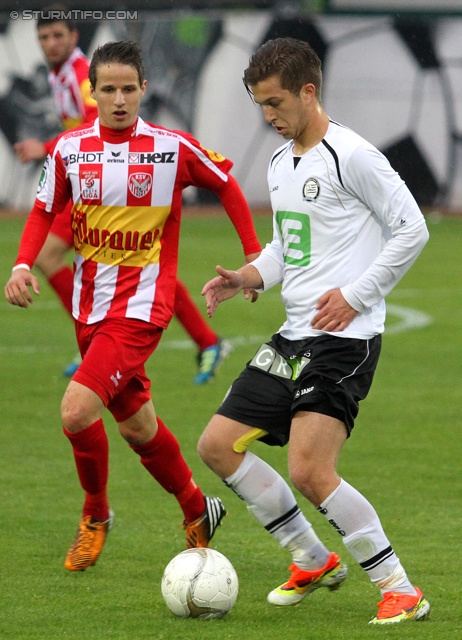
137,435
74,417
300,478
77,415
210,447
204,447
311,480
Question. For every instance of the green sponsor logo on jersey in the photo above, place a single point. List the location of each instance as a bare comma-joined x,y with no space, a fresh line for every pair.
295,232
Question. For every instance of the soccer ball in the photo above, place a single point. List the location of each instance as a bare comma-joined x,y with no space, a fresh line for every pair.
200,583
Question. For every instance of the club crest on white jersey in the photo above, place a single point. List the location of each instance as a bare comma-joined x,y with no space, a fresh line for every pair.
311,190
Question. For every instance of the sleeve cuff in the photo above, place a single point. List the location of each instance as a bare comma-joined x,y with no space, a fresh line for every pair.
22,265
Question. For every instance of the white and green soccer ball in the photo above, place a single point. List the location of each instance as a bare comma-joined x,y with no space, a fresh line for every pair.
200,583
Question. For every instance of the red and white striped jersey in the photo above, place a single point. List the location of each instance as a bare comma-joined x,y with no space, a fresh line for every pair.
126,188
70,87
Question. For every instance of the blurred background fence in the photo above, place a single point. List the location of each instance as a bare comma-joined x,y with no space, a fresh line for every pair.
392,72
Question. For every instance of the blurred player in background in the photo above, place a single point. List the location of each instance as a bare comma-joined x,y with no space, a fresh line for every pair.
346,229
68,78
126,222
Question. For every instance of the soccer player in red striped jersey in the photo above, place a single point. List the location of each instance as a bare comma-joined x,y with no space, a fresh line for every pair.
125,178
70,86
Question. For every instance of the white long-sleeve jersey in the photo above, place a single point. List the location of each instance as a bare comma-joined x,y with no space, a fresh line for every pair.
343,218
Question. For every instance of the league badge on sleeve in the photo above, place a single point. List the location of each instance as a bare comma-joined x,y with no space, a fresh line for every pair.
43,176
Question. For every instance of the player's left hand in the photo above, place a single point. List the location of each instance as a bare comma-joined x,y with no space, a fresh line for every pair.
334,312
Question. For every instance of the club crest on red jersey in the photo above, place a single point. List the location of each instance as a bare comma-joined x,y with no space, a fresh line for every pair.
139,184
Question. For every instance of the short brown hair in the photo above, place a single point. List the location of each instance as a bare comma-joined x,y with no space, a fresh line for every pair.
57,13
294,61
122,52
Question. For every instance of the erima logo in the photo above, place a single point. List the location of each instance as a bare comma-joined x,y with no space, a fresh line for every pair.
115,379
115,157
167,157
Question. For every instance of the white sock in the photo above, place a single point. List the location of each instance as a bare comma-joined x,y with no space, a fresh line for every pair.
358,523
308,552
269,498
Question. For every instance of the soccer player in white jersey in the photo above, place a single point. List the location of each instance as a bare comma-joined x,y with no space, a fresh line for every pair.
125,178
346,229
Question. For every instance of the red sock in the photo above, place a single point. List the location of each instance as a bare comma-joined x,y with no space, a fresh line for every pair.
91,454
162,457
63,283
191,319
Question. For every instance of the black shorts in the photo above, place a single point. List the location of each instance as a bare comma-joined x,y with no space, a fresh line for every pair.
324,374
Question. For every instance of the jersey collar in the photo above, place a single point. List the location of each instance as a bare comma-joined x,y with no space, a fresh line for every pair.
117,136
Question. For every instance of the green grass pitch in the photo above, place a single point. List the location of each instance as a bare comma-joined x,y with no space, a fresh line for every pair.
405,456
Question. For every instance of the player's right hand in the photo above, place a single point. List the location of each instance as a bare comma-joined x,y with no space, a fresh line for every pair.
17,288
221,288
30,149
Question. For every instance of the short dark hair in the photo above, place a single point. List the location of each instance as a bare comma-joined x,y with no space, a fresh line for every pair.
56,13
294,61
122,52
